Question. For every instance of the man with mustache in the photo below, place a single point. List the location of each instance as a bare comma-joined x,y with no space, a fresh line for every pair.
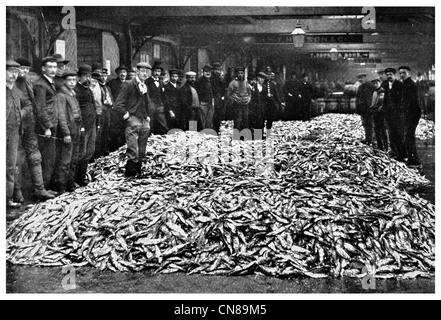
17,106
158,109
89,115
29,140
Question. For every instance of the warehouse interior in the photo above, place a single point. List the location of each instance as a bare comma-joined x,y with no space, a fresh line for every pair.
220,227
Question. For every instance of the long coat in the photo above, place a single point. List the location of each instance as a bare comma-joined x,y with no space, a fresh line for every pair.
409,99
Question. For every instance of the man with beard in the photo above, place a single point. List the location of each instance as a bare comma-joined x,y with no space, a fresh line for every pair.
239,96
29,141
364,101
47,117
158,108
218,84
133,106
189,101
412,114
17,107
70,125
292,98
394,115
206,98
171,90
61,66
89,115
272,100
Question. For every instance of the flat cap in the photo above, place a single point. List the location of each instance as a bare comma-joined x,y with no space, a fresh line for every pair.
12,64
387,70
143,65
404,68
239,69
69,73
207,67
85,68
48,59
96,75
216,65
376,80
60,58
23,62
190,73
173,71
262,75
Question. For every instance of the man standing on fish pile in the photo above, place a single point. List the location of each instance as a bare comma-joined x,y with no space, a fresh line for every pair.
378,116
17,107
205,92
133,104
412,114
70,125
394,115
189,100
29,141
364,101
239,98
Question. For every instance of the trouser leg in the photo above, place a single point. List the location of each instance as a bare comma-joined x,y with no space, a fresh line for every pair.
12,143
48,154
367,123
88,149
76,136
410,140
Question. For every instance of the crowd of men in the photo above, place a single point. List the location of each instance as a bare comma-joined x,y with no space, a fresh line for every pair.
390,111
64,119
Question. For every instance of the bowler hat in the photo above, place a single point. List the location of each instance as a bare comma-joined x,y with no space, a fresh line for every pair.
60,58
96,75
69,73
404,68
23,62
121,67
12,64
207,67
84,69
157,65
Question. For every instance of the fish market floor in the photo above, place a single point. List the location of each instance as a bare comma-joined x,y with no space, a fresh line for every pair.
89,280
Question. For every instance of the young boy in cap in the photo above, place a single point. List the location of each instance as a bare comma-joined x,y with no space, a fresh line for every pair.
70,124
17,106
133,105
412,114
206,98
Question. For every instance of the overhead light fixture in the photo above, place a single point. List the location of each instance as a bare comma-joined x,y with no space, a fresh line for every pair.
298,36
334,54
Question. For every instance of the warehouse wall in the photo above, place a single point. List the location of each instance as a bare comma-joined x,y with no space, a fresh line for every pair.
110,51
89,46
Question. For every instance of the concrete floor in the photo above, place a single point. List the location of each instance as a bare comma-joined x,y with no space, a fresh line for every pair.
88,280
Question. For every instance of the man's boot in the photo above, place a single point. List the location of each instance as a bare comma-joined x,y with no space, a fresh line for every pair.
43,194
40,193
130,169
18,196
138,168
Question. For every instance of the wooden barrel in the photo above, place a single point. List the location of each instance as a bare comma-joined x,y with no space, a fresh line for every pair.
332,105
321,105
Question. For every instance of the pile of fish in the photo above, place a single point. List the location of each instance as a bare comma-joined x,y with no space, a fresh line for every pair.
310,200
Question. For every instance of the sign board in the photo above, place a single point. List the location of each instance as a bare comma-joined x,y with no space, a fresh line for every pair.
341,55
60,47
273,38
326,38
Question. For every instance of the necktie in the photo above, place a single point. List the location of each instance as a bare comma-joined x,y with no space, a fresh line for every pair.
53,86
